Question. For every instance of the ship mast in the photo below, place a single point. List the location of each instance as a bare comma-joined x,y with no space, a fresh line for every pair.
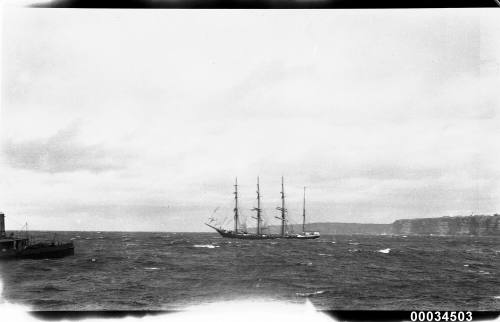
282,209
258,207
236,205
304,212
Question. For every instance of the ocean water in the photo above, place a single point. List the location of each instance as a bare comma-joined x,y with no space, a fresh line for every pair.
170,271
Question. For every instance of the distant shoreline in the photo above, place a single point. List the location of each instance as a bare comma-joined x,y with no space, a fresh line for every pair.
472,225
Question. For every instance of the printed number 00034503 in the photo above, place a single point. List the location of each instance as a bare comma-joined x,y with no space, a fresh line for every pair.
441,316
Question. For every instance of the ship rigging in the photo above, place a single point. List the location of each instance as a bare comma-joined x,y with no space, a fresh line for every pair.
243,234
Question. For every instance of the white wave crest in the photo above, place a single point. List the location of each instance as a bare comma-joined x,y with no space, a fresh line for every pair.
384,251
205,246
310,293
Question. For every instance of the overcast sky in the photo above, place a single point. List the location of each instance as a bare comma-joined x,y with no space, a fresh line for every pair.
140,120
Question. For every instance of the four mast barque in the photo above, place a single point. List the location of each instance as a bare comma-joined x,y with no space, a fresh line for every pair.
243,234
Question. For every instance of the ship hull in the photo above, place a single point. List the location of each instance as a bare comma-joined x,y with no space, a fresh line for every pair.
240,235
51,251
231,234
40,252
302,237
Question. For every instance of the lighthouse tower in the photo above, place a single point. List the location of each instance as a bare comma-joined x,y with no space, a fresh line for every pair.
2,225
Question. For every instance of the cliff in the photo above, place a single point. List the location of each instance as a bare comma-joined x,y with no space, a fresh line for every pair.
480,225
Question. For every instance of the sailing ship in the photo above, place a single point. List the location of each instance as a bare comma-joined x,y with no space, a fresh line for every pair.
239,233
12,247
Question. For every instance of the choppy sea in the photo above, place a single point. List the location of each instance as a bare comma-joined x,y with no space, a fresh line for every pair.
170,271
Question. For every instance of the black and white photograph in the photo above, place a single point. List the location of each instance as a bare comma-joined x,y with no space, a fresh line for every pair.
250,164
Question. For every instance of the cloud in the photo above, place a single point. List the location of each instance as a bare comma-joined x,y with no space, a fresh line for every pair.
62,152
378,122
